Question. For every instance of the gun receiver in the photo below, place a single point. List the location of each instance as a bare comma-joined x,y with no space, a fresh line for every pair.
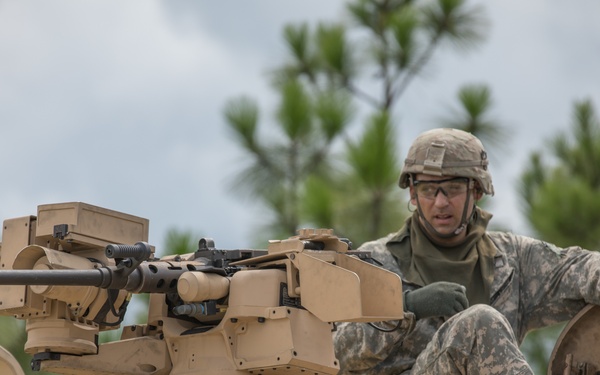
211,311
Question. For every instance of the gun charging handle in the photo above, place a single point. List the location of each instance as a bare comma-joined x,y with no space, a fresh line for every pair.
128,257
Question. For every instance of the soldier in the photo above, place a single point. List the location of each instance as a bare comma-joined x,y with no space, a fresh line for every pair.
470,295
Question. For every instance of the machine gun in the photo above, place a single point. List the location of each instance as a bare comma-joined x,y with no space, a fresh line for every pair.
69,272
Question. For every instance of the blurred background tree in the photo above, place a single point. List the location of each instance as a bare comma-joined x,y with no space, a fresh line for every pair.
560,187
314,167
474,115
354,190
560,196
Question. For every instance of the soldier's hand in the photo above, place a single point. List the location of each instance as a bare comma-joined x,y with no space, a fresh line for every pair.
437,299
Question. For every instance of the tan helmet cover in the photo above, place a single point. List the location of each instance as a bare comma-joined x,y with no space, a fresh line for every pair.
448,152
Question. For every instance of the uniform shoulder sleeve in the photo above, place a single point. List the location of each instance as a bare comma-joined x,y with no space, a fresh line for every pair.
380,253
554,283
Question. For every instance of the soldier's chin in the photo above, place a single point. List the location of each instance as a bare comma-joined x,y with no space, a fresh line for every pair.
444,230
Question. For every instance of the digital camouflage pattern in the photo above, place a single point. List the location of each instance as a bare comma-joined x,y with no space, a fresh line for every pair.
448,152
536,284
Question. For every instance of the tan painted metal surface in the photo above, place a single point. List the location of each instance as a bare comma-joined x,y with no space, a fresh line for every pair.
577,350
268,312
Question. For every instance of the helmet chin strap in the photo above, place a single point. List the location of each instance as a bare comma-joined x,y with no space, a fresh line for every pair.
463,222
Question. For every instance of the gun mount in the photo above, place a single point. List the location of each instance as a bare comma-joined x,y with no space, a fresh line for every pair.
69,272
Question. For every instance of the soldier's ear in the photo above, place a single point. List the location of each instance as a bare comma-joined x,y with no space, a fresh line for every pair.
413,196
477,192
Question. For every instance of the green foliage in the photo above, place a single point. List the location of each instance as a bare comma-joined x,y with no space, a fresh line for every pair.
582,157
374,158
573,217
474,116
362,200
462,26
334,51
403,27
318,202
333,111
242,115
297,41
562,198
295,111
310,121
538,345
180,242
371,183
317,174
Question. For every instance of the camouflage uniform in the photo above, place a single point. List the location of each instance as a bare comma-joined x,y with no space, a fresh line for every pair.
535,284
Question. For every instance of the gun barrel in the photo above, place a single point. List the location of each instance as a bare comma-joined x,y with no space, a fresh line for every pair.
91,277
148,277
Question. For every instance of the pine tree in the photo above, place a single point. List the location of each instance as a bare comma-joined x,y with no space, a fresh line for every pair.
317,166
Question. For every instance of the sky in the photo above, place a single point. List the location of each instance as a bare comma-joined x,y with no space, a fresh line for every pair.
119,103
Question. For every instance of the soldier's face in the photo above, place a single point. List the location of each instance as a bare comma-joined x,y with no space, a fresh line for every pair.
442,201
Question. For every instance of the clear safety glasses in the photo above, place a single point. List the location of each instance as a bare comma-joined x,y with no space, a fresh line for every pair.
450,187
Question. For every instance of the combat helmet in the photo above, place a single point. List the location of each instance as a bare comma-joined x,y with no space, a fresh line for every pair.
447,152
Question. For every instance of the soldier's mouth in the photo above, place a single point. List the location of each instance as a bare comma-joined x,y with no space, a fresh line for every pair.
442,218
